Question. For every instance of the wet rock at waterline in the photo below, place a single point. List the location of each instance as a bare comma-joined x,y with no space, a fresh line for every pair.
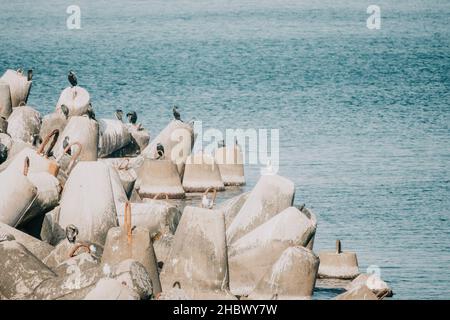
292,277
251,256
157,177
202,173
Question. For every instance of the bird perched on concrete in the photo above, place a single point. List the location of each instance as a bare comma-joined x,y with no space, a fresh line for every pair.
90,112
132,117
119,114
3,153
160,150
176,114
71,233
206,202
65,110
30,75
72,79
66,143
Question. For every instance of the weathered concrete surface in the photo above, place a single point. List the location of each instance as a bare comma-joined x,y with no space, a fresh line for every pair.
88,201
373,282
158,216
232,206
83,130
21,271
113,135
48,193
51,232
201,173
77,284
76,99
139,136
14,147
17,195
24,123
5,100
340,265
79,263
127,173
3,125
174,293
271,195
19,86
120,196
52,121
361,292
38,163
140,248
38,248
111,289
252,255
162,245
198,257
159,176
231,165
62,251
178,139
310,214
292,277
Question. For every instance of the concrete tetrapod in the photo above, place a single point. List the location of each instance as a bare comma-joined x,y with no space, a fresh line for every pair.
83,130
111,289
47,198
250,257
198,256
52,121
177,139
338,264
5,100
271,195
126,171
292,277
38,159
232,206
373,282
88,201
132,243
19,86
231,165
77,284
361,292
201,173
159,217
3,125
113,135
159,176
37,247
76,99
17,195
22,272
24,124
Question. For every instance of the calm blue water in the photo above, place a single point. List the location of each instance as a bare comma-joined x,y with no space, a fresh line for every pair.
363,115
